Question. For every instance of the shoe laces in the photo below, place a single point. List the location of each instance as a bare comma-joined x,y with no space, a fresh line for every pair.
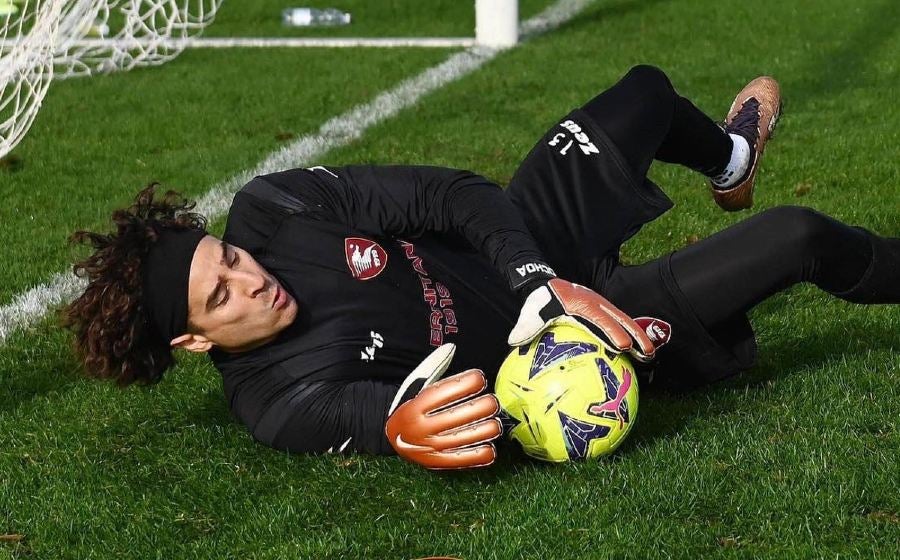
746,122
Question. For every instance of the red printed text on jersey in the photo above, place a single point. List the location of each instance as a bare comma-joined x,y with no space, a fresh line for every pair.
442,318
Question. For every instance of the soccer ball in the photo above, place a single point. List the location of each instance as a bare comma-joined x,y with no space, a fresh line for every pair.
565,397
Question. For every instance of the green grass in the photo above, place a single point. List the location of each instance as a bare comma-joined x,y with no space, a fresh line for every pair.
795,459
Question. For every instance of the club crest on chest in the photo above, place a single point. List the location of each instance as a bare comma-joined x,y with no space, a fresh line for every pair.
365,258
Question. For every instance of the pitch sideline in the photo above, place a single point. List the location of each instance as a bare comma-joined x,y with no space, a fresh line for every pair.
29,307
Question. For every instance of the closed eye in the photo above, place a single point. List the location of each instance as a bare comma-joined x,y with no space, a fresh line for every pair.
213,300
224,298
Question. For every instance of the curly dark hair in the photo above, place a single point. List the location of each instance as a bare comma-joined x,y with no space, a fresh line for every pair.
113,337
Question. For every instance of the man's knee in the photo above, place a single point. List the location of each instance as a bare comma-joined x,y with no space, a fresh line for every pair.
799,226
649,78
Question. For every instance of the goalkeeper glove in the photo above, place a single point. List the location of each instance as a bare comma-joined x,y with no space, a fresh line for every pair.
554,298
445,425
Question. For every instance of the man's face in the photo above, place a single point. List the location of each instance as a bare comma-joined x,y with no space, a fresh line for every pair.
232,300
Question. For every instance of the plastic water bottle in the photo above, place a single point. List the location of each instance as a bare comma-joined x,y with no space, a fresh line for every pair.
305,17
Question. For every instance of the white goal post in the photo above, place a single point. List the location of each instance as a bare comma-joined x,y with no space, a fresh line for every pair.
497,23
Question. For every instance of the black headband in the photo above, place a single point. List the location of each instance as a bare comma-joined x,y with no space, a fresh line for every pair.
166,272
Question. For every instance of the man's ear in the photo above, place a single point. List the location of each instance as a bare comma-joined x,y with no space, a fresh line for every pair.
192,343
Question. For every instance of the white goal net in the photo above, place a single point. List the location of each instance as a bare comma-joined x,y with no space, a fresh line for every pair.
28,32
99,36
45,39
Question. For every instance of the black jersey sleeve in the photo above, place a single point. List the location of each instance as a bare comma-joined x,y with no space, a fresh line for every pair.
330,417
407,201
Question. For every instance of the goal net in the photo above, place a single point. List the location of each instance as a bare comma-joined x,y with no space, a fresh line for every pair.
45,39
100,36
28,35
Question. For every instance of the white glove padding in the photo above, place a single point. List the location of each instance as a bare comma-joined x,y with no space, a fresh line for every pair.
445,425
558,298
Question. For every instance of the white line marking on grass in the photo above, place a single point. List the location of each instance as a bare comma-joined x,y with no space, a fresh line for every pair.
31,306
289,42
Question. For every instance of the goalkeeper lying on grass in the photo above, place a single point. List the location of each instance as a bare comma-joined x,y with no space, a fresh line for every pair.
332,284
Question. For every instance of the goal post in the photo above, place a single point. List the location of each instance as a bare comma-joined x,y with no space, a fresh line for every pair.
496,23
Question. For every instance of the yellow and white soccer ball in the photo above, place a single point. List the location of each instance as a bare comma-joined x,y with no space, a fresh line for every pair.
565,396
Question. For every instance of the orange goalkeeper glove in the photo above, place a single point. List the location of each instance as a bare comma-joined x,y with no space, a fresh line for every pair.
446,425
557,298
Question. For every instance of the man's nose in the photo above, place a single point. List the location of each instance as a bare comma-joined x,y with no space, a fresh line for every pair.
253,283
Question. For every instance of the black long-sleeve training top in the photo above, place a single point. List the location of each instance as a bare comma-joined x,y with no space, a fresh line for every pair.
386,264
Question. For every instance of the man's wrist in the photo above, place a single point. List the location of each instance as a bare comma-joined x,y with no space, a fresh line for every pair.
528,273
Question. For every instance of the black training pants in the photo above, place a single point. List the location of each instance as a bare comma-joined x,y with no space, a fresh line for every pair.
737,268
583,191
